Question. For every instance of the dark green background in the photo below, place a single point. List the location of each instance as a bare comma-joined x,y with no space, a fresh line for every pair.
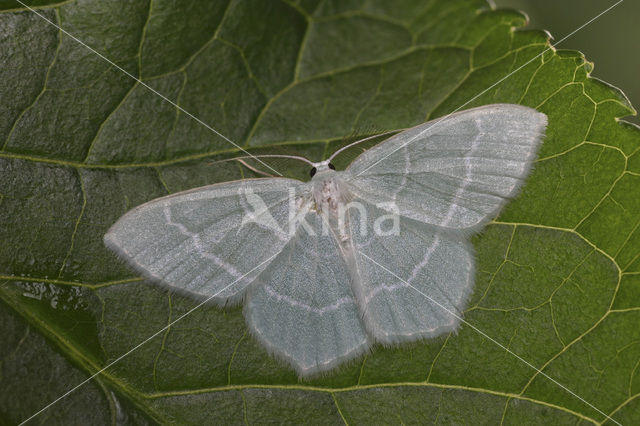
558,272
612,42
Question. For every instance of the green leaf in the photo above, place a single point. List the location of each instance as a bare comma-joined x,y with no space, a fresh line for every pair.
558,273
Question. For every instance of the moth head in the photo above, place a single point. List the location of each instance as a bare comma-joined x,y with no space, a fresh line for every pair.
321,167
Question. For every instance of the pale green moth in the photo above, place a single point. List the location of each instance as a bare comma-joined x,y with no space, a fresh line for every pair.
327,268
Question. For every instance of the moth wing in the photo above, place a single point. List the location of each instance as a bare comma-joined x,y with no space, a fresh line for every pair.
302,307
411,284
202,240
456,171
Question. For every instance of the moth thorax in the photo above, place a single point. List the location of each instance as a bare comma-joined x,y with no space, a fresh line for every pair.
326,194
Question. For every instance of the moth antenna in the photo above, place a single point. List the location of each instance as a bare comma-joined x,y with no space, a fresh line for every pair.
293,157
253,169
363,140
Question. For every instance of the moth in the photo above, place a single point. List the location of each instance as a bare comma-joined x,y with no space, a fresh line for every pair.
329,267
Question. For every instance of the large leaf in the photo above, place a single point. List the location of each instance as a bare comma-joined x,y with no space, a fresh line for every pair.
558,278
